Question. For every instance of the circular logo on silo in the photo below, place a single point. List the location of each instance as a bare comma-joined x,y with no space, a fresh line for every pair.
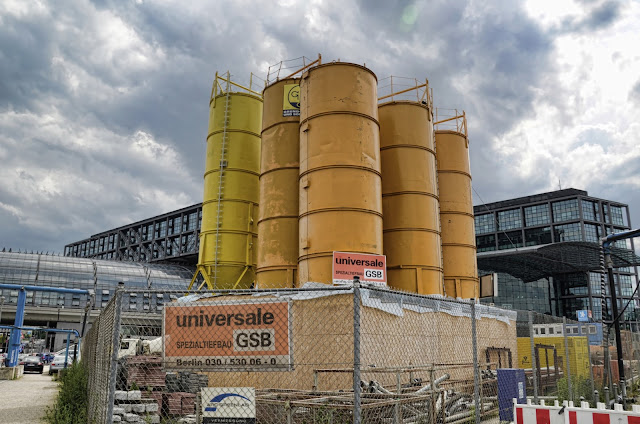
293,96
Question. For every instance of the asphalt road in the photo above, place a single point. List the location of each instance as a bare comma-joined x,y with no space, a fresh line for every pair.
24,401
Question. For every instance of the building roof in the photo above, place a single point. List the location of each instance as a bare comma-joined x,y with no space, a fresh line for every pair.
531,264
62,271
535,198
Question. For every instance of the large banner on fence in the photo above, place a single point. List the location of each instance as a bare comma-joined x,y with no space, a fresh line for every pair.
252,336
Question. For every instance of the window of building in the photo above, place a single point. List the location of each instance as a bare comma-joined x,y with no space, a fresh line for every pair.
595,282
596,311
510,240
626,288
508,220
607,215
593,329
550,330
573,284
567,232
536,236
485,223
590,210
592,233
542,331
630,312
192,221
617,215
565,210
536,215
622,244
486,243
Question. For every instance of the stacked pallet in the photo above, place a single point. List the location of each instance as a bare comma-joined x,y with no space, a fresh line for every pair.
146,371
179,403
186,382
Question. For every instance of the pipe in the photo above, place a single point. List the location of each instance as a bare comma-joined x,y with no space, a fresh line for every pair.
435,383
44,289
48,330
379,387
467,414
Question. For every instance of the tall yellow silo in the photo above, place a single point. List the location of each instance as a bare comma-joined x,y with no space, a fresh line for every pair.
456,208
412,241
280,164
340,185
228,235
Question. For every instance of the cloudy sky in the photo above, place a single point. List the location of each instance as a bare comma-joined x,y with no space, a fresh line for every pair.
104,105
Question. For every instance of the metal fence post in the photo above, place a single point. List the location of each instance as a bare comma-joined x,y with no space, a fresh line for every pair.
593,384
476,377
534,372
115,347
357,418
566,355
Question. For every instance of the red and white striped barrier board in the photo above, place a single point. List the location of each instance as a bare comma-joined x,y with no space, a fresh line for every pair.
537,414
600,415
570,414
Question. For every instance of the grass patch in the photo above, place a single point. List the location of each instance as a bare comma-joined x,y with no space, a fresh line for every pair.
72,401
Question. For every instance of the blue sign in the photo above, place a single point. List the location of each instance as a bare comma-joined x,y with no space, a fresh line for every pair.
583,315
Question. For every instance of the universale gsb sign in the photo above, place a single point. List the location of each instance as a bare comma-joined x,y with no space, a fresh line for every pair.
369,268
227,336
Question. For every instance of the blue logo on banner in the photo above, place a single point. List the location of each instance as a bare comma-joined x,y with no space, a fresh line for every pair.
583,315
220,398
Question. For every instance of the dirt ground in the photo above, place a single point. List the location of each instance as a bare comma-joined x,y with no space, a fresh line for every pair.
24,401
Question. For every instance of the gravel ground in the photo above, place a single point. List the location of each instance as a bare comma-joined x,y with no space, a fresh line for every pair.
24,401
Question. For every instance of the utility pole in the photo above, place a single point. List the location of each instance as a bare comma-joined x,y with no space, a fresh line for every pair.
607,243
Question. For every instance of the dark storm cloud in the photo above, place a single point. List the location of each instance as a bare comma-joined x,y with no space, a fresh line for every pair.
114,69
596,17
25,72
106,103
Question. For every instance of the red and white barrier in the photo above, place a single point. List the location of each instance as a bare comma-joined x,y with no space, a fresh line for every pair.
570,414
601,415
537,414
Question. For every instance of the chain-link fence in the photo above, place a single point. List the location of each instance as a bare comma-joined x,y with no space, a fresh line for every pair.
99,349
326,354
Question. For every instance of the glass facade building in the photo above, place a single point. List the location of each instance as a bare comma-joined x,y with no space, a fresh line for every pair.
561,216
89,274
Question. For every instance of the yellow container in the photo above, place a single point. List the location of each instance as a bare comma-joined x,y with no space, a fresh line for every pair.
227,255
578,356
340,185
279,169
411,221
456,214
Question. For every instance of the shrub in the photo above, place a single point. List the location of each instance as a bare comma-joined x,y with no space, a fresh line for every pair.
72,401
580,386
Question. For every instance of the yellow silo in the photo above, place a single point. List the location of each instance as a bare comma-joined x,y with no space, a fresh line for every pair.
228,235
456,208
411,221
280,164
340,185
